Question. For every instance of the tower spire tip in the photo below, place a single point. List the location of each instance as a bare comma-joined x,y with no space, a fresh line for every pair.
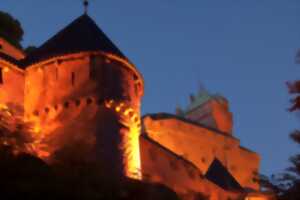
86,5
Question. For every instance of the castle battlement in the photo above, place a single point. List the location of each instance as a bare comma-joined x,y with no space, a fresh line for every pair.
79,89
75,87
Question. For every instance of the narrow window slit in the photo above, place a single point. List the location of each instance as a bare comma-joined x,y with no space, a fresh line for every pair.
89,101
73,78
66,104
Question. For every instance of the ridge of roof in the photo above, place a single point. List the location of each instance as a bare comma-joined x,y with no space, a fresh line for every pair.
248,150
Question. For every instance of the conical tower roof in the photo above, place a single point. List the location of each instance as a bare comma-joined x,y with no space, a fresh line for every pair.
81,35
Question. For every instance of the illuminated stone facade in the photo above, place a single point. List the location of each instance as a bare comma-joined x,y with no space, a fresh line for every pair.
177,148
78,88
181,135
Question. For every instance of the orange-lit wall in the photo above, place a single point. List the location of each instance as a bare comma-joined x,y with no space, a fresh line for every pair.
92,101
162,166
74,98
222,116
10,50
12,88
260,196
201,145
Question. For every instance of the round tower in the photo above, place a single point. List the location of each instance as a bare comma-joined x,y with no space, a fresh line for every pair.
83,94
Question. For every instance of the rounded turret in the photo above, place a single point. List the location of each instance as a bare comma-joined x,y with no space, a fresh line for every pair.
81,90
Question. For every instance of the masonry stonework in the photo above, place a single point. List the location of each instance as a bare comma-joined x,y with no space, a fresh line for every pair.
82,91
201,145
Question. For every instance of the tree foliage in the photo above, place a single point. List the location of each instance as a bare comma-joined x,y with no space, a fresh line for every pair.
287,184
292,176
24,176
30,49
11,29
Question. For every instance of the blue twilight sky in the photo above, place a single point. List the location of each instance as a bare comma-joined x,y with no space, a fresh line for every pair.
242,49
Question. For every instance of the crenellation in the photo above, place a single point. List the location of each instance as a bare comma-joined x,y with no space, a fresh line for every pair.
90,95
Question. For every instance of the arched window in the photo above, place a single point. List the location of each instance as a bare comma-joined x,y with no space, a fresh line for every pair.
56,73
93,63
73,78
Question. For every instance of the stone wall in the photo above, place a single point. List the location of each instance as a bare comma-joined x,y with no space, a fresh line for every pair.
160,165
11,86
87,98
78,75
201,145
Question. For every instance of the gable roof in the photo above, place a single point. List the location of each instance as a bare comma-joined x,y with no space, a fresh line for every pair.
218,174
81,35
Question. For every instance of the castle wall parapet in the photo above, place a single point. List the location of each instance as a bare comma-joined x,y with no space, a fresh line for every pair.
201,146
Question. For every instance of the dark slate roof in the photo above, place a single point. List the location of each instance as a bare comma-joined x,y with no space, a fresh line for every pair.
219,175
8,58
81,35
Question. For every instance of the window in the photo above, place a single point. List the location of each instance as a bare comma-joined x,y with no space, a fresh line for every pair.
89,101
77,102
136,89
36,113
66,104
56,73
73,78
191,172
47,110
173,164
152,154
1,75
93,63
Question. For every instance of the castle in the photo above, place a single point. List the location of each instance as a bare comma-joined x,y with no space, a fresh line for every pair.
79,88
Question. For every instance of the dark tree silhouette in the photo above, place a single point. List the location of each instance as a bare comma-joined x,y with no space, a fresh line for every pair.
11,29
30,49
287,184
293,175
71,176
24,176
